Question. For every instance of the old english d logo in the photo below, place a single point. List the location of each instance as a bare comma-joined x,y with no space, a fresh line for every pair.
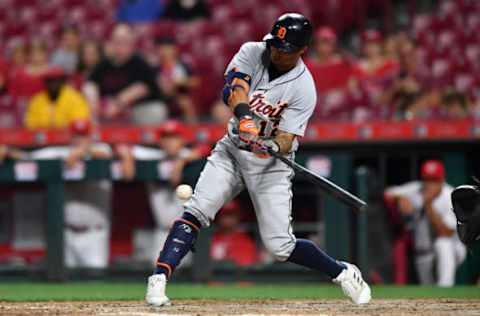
282,31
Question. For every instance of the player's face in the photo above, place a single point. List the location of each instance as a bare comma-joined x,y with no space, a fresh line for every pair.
284,61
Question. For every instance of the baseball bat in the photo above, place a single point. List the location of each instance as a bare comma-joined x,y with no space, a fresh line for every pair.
326,185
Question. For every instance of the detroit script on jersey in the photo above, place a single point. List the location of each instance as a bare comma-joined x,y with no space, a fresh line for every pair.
267,115
284,103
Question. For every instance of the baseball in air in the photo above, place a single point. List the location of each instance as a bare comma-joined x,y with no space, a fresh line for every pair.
184,192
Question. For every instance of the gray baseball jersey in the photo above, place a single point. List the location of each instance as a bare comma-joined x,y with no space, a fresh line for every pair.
285,103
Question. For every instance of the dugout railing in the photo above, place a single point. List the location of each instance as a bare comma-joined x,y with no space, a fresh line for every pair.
365,167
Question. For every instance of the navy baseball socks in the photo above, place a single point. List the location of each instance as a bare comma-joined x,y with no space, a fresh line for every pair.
180,241
307,254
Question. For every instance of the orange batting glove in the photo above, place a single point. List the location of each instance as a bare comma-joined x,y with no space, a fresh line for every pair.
248,130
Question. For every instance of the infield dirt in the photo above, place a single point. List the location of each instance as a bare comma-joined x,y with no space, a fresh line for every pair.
380,307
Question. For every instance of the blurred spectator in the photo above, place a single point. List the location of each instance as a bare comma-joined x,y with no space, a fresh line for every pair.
173,155
27,80
426,206
175,79
187,10
140,10
18,55
455,105
124,80
58,105
375,71
90,56
331,72
436,103
66,55
230,242
407,94
329,68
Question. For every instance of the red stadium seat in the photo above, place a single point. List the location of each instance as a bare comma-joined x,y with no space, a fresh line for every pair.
47,15
25,3
15,30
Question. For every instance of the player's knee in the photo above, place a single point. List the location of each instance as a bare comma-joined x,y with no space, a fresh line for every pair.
280,248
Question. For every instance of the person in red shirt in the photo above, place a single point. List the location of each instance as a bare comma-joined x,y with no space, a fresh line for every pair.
329,68
27,81
230,243
332,72
373,74
375,69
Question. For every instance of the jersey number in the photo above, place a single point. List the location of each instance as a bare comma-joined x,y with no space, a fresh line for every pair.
263,127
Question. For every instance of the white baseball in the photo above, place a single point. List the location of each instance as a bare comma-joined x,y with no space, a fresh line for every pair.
184,192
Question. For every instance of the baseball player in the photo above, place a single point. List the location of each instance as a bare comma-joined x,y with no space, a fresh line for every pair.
87,203
272,95
426,207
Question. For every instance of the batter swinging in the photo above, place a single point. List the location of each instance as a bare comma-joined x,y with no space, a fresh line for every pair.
272,96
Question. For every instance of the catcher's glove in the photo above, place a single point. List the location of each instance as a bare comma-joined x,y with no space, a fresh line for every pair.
466,206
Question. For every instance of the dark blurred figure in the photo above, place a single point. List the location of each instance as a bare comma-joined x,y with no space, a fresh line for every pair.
175,79
187,10
58,105
124,81
66,55
229,242
134,11
91,54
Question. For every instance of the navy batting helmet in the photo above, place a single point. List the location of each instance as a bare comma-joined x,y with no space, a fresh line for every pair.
290,33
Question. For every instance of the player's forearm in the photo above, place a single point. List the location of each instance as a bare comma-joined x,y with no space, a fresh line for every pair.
438,225
239,94
284,141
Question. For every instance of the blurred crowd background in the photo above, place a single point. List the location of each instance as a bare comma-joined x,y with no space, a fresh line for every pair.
80,65
372,59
